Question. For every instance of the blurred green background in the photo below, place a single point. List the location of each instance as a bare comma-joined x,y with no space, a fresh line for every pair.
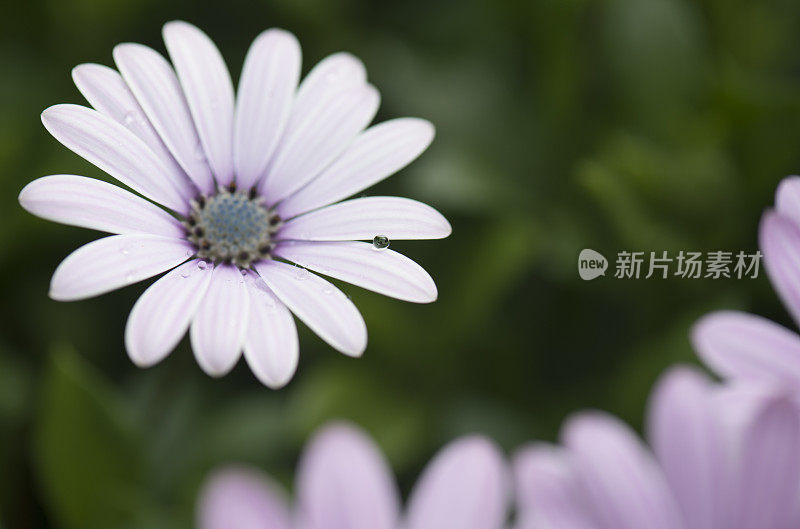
562,124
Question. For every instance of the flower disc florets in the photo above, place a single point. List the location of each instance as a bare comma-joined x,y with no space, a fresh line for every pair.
232,226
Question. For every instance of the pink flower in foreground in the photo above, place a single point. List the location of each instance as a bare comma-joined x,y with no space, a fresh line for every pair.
721,457
240,186
745,346
344,482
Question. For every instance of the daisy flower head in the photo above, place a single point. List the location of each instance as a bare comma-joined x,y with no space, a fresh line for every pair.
344,482
238,197
719,457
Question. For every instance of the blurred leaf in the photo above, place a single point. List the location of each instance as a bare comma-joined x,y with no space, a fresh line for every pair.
86,455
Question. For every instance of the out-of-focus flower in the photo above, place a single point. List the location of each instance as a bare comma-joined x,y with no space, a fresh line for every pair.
241,186
344,482
745,346
720,457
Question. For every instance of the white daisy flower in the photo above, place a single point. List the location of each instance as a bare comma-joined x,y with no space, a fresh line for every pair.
247,184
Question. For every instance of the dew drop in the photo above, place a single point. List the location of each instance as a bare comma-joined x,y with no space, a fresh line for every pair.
130,117
186,272
302,274
328,290
202,265
380,242
129,277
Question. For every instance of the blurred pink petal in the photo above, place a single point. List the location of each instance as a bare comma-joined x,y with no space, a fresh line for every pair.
779,239
383,271
364,218
464,487
240,498
787,198
344,482
741,345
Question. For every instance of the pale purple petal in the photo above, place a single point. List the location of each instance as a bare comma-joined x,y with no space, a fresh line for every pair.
106,91
208,89
548,493
98,205
687,438
364,218
787,198
315,135
116,150
746,346
242,498
770,464
270,346
624,487
161,315
344,482
157,89
219,326
114,262
466,486
319,304
384,271
264,101
779,239
375,154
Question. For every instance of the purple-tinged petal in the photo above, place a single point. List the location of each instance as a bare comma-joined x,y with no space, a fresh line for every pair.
548,493
208,89
117,151
769,496
779,239
106,91
787,198
162,314
375,154
623,485
344,482
219,326
688,440
157,89
319,304
315,135
270,347
114,262
264,101
466,486
242,498
97,205
383,271
364,218
746,346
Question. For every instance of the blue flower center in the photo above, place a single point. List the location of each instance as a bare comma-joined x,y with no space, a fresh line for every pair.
232,226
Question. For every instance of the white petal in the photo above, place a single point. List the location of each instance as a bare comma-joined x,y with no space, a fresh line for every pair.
335,72
316,135
375,154
242,498
117,151
364,218
384,271
464,487
97,205
344,482
219,327
688,439
319,304
787,198
625,488
157,89
208,89
264,101
106,91
779,239
746,346
161,315
114,262
270,345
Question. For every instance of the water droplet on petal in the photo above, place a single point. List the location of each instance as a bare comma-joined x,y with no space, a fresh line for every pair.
130,117
380,242
328,290
202,265
186,272
302,274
